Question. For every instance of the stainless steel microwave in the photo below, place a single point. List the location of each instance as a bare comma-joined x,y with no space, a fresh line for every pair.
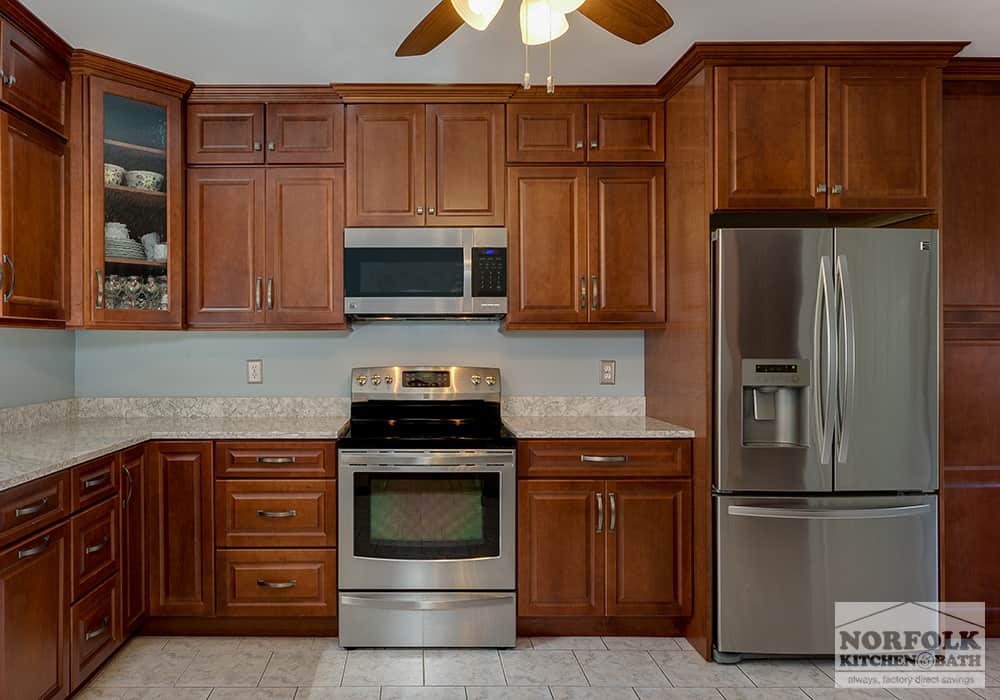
425,272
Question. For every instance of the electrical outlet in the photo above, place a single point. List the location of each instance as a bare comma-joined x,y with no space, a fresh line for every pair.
255,371
607,371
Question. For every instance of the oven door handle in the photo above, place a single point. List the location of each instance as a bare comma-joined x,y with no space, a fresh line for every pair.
396,603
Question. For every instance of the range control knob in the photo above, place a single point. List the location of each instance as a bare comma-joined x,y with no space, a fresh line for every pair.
376,379
388,380
476,379
362,379
491,380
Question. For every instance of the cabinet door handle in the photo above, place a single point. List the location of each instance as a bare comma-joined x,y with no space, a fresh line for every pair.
256,145
276,460
10,80
838,189
31,510
270,145
618,459
600,512
87,636
579,144
258,294
99,302
270,294
432,211
614,511
594,295
13,278
821,188
276,514
95,548
583,293
131,486
32,551
97,480
420,210
277,584
593,143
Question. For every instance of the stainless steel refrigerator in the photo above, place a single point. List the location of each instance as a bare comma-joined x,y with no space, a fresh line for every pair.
826,454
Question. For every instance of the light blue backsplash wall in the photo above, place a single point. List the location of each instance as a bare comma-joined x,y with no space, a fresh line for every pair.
112,363
35,366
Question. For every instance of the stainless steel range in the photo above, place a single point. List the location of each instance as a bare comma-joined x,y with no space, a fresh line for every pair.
427,500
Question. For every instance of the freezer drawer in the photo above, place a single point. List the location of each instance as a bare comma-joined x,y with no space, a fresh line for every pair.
782,563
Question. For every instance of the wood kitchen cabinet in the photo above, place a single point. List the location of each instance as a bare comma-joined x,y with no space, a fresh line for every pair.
587,246
265,247
134,549
600,132
182,549
34,79
425,165
254,133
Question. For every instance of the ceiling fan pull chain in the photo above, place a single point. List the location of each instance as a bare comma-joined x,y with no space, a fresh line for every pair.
550,87
527,76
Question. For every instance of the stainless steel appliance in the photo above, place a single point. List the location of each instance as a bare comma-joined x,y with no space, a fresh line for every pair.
826,459
425,272
427,511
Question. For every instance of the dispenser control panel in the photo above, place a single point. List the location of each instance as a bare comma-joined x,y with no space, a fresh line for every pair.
776,372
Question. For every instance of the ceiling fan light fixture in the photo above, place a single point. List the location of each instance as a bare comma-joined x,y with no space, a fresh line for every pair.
565,6
540,23
477,13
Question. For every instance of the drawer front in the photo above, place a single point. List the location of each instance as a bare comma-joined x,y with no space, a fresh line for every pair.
94,629
603,458
94,541
274,582
272,513
26,508
282,459
94,481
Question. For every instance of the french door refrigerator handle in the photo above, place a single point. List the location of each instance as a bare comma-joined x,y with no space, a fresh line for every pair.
823,385
829,513
846,380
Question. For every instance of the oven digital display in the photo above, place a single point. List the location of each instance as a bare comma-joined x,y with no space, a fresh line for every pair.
427,379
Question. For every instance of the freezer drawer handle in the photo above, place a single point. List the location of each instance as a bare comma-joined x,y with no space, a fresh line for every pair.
415,604
829,513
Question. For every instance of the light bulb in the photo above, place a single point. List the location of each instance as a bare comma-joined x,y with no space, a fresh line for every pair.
540,23
477,13
565,6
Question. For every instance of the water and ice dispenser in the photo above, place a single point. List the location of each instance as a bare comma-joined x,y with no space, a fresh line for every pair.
775,403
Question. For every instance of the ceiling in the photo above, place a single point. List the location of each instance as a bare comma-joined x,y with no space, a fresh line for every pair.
322,41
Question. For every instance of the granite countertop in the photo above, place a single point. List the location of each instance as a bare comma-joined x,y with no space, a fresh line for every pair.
593,427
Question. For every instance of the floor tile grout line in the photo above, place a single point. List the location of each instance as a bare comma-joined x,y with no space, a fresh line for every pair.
270,655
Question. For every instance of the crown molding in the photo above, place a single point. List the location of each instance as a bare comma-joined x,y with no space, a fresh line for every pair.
423,92
85,62
263,93
973,69
39,31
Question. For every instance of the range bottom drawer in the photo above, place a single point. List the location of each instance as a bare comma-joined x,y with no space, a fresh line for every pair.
276,583
94,626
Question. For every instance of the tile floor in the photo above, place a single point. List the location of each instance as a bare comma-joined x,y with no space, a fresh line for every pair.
549,668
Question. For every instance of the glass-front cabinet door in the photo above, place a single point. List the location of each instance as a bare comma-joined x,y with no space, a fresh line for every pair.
136,234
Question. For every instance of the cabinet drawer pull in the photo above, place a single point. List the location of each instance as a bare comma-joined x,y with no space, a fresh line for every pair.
31,510
276,460
91,634
97,480
32,551
276,514
614,511
95,548
281,584
600,512
617,459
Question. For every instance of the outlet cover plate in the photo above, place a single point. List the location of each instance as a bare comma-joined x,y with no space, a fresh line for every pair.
255,371
607,371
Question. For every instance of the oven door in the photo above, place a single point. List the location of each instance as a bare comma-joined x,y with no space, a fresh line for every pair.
426,520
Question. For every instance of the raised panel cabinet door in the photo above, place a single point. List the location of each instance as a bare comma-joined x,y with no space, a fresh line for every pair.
34,617
625,132
135,533
546,133
225,265
305,133
36,79
182,548
547,243
385,165
304,282
770,137
885,137
32,223
465,165
649,547
627,242
560,559
225,134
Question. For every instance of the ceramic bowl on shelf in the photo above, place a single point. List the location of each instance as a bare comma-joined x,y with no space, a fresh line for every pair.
144,180
113,174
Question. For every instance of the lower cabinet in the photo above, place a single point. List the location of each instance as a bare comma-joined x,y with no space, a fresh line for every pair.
134,535
95,629
34,616
277,582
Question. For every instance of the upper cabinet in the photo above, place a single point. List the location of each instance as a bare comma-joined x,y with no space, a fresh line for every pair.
425,165
803,137
600,132
255,133
32,79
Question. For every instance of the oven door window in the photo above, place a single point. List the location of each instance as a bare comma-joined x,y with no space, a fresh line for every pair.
404,272
426,516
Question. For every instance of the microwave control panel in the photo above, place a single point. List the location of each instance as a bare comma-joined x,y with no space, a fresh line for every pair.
489,272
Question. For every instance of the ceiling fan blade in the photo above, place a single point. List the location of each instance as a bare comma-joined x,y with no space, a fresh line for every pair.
637,21
439,24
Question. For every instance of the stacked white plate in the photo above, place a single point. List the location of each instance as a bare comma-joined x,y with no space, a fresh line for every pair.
127,248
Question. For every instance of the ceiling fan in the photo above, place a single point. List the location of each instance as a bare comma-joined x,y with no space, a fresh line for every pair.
636,21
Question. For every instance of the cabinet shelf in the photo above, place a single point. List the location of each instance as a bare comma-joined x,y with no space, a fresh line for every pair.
136,148
136,263
135,196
